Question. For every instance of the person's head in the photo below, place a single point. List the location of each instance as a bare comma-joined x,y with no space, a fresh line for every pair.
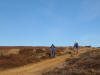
52,45
76,42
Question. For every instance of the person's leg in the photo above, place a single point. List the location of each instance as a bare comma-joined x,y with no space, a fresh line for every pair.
51,53
76,51
54,53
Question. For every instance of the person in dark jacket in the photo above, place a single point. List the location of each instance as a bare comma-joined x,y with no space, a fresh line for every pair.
53,50
76,48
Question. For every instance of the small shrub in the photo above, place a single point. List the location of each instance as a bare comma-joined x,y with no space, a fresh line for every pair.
27,52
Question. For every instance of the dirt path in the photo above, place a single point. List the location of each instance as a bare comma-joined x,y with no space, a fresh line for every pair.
38,68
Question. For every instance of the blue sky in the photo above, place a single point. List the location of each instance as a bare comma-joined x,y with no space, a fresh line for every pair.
43,22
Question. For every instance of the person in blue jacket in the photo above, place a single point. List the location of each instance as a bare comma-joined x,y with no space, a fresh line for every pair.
53,50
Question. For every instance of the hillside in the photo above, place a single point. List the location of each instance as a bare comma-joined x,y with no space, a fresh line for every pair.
11,57
87,63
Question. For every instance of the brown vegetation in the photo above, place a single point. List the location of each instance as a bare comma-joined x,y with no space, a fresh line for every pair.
86,64
25,55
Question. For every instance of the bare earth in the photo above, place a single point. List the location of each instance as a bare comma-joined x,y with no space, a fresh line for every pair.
38,68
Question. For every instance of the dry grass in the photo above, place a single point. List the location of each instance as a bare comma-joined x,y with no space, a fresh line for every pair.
12,58
6,52
86,64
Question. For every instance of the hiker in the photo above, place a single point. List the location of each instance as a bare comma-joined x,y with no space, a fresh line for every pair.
53,50
76,47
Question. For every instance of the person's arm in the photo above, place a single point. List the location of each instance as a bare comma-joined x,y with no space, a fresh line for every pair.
77,45
55,48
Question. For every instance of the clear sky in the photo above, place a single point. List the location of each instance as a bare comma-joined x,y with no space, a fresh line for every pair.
43,22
